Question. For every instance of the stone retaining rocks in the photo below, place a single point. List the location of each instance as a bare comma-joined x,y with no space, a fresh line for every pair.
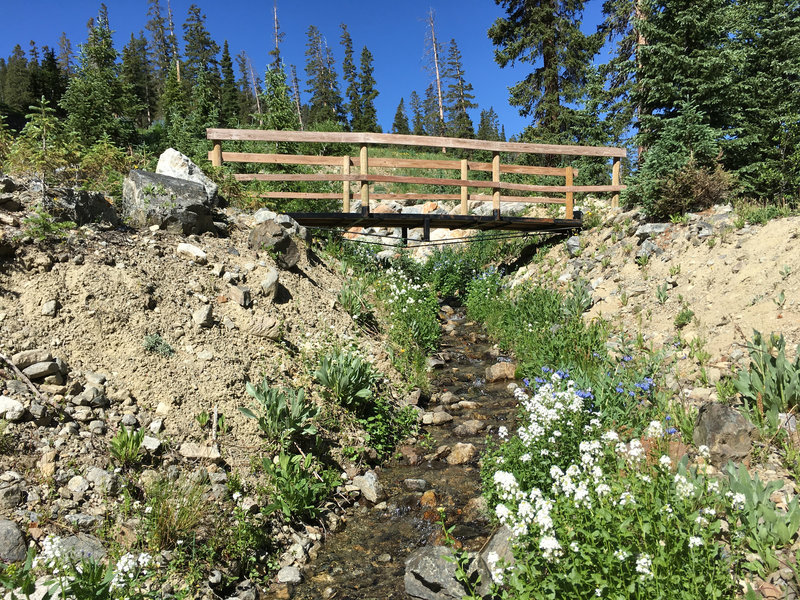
728,435
12,544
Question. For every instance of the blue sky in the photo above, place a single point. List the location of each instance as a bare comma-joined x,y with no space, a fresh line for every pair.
393,31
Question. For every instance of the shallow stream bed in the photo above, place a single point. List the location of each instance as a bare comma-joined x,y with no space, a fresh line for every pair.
365,559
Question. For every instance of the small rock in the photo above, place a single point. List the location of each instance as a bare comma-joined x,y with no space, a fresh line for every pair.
461,454
11,410
428,499
50,308
26,358
240,294
728,435
151,444
204,316
469,428
269,285
78,485
441,417
41,370
289,575
415,485
198,451
266,327
500,371
370,487
12,544
191,252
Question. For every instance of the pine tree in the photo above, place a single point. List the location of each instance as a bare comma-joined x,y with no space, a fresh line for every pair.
136,74
489,126
66,56
247,95
325,104
368,116
174,101
459,96
17,86
546,31
417,118
434,126
96,101
279,111
33,70
400,123
277,36
229,100
200,51
160,47
52,80
766,154
350,77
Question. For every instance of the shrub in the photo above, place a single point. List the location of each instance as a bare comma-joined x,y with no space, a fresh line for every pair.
42,225
282,414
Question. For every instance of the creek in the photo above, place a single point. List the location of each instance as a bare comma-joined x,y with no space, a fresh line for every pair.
365,558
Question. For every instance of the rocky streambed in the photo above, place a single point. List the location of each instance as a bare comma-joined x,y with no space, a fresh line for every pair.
401,507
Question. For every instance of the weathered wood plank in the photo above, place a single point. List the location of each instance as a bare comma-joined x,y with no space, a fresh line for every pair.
426,181
409,140
409,196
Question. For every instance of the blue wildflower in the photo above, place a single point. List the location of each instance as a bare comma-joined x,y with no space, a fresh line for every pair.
546,369
620,389
627,358
526,382
671,431
538,380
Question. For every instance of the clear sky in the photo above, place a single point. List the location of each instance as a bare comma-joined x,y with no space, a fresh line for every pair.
393,30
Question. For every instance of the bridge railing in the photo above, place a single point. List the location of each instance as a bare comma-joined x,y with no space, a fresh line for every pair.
363,163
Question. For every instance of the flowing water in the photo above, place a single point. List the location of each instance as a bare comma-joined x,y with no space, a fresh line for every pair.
366,559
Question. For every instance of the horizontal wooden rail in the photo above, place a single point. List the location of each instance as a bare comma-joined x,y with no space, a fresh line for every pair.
391,139
522,187
391,163
347,170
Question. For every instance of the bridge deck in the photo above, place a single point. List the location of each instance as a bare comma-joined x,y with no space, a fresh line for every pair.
428,221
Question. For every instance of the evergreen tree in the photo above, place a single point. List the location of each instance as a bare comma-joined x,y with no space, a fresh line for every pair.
545,34
459,96
160,47
3,70
229,100
367,115
96,100
66,56
17,91
279,110
174,101
489,126
52,80
278,36
200,51
137,76
325,104
433,124
766,154
350,76
400,124
247,95
33,70
417,118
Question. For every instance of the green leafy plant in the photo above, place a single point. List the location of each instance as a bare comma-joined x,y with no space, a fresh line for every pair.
203,418
126,447
157,345
348,378
780,300
353,298
661,293
771,384
297,485
578,299
42,225
697,350
674,270
765,527
679,219
282,414
643,260
785,271
684,317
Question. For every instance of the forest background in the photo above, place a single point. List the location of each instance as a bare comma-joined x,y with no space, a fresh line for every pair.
706,95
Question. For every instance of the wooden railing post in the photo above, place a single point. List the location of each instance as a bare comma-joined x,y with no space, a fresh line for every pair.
496,179
364,170
346,185
216,154
570,204
464,189
615,181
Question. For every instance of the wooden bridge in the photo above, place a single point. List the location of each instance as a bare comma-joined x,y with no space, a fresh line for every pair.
470,190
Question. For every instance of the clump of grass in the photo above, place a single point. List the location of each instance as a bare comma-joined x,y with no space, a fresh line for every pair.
126,447
175,512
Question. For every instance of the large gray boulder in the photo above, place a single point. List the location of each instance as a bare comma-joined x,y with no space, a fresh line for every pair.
173,163
728,435
177,205
431,576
